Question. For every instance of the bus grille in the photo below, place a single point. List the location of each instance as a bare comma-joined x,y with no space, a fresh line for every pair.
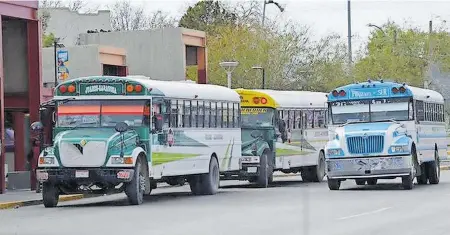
365,144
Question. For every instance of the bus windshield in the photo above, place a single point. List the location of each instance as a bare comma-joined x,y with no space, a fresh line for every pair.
371,110
257,117
102,113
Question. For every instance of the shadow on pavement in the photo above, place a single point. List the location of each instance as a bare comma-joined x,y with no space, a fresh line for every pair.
152,198
275,184
383,187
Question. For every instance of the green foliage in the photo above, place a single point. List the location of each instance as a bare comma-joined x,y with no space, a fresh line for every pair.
205,15
48,39
403,55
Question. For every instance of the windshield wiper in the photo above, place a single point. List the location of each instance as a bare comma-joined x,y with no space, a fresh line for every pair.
81,124
390,120
349,122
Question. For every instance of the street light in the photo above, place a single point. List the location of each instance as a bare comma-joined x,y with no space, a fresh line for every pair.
264,9
378,27
229,66
263,75
56,44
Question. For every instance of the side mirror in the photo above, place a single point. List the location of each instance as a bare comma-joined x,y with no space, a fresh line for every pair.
159,123
37,126
256,134
121,127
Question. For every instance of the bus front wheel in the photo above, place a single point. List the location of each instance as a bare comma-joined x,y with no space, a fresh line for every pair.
50,195
334,184
265,176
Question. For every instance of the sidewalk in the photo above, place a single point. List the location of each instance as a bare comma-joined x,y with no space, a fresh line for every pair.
19,198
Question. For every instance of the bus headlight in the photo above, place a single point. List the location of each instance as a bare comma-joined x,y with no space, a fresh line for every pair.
46,160
400,149
121,160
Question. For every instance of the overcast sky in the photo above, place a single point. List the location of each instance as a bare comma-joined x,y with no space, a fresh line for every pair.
326,16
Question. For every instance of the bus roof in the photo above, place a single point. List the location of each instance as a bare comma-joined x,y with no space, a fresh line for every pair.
293,99
111,85
189,90
380,89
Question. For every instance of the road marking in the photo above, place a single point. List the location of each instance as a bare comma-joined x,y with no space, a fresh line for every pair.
365,213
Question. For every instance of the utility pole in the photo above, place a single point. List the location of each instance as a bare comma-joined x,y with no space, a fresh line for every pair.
349,33
428,78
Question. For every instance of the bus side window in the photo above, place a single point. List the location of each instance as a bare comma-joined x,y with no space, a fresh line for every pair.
236,115
420,114
201,113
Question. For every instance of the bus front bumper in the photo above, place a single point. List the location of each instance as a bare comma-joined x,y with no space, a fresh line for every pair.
370,167
84,175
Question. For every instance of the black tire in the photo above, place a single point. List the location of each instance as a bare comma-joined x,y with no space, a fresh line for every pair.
253,179
195,185
434,169
372,181
317,173
176,181
135,189
334,184
265,171
306,175
209,182
50,195
360,182
423,177
408,182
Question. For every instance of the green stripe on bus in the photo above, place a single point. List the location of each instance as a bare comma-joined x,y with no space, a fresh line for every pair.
161,158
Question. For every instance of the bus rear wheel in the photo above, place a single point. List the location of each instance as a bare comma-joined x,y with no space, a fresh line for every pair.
434,169
206,184
360,182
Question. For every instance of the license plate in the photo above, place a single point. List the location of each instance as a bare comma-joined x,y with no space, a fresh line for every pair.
81,174
252,169
42,176
123,175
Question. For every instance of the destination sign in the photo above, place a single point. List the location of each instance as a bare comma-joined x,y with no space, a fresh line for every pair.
253,110
101,89
369,101
368,92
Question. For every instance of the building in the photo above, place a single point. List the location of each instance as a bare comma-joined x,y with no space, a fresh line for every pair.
85,60
20,73
67,25
161,54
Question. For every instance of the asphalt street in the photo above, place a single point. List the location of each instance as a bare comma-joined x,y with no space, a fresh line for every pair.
290,207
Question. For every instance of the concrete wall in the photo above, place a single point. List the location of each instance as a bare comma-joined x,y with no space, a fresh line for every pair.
83,61
158,54
67,25
15,59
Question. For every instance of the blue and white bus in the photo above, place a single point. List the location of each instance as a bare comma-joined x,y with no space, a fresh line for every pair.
385,130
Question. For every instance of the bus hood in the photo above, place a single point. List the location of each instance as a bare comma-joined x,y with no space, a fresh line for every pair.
86,134
87,147
369,127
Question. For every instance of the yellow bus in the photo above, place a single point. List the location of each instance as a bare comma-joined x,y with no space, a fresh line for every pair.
287,130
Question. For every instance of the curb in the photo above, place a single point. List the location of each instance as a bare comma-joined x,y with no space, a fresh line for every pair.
17,204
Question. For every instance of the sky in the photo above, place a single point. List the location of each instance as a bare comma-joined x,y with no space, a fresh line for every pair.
330,16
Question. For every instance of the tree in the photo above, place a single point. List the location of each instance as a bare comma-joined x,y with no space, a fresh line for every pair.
206,15
48,39
125,16
276,52
403,54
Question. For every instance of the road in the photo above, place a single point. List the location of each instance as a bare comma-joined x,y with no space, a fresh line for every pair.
290,207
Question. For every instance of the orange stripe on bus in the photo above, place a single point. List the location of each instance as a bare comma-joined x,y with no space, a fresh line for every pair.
83,109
